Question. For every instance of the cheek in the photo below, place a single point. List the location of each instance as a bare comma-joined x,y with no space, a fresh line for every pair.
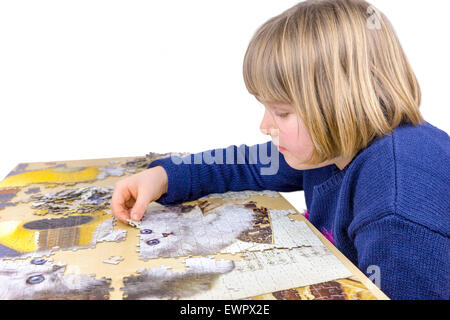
295,136
298,143
302,149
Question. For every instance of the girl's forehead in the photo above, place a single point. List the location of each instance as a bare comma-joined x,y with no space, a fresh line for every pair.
274,102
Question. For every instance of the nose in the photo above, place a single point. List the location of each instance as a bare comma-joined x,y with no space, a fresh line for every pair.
268,125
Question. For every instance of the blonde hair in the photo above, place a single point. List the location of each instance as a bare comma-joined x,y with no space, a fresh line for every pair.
342,67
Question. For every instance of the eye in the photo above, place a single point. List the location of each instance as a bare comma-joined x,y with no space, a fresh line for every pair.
282,115
38,261
35,279
152,242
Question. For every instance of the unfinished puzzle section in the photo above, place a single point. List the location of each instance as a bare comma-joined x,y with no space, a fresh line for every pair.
58,240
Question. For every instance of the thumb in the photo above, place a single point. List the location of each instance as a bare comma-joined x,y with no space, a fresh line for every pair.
139,208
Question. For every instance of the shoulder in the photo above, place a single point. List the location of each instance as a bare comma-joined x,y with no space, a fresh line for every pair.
425,145
406,173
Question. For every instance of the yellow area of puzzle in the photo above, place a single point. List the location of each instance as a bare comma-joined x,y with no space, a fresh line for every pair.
60,175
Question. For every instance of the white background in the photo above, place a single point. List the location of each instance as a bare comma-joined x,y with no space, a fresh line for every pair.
99,79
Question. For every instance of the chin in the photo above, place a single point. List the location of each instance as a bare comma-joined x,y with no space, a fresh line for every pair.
296,164
293,163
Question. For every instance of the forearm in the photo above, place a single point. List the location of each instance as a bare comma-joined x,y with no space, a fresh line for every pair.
258,167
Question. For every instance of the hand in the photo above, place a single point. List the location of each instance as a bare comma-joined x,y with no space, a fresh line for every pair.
132,195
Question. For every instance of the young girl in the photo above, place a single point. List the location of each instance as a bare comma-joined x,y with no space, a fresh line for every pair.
342,106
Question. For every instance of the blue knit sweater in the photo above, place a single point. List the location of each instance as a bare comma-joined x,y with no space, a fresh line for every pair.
387,211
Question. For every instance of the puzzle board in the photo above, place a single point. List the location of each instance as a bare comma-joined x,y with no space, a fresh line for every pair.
58,240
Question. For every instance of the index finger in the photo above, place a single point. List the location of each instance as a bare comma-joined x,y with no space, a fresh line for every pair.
119,197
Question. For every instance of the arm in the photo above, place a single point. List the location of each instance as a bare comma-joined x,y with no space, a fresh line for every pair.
412,260
259,167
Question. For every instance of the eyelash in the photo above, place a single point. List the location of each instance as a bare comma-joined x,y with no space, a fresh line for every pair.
282,115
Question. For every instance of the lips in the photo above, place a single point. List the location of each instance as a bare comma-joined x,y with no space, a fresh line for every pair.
280,148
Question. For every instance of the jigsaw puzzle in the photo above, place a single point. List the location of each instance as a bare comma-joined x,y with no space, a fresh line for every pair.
235,245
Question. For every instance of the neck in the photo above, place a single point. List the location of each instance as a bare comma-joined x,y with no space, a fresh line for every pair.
341,163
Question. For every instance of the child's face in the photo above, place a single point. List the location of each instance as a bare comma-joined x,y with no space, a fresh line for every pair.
288,132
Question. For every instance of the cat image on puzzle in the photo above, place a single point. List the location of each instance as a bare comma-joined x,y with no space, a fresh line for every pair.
162,283
39,279
177,231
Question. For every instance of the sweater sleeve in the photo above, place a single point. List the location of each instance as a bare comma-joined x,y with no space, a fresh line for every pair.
259,167
408,260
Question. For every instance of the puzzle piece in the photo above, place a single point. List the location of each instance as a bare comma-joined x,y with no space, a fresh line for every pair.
114,260
110,171
136,224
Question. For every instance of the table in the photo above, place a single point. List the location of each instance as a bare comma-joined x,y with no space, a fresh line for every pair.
58,240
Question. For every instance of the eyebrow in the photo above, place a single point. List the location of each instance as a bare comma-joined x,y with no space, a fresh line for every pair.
278,106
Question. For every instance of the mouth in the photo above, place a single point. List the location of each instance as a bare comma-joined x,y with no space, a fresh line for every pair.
280,148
